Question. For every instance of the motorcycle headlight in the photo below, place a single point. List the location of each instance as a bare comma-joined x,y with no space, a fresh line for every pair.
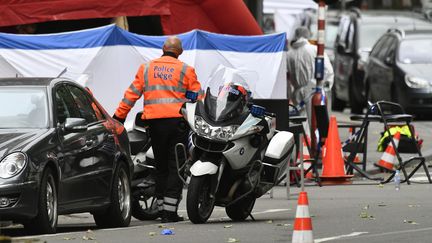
221,133
416,83
12,164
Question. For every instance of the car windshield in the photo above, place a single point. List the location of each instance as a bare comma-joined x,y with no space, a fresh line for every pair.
23,107
414,51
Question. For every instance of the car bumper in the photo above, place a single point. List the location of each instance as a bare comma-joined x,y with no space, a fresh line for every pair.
18,201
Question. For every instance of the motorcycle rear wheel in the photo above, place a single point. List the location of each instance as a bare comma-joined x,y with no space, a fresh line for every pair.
240,210
199,204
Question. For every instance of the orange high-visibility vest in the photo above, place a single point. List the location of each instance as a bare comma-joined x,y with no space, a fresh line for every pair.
163,82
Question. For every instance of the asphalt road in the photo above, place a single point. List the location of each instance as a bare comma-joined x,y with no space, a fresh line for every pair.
363,212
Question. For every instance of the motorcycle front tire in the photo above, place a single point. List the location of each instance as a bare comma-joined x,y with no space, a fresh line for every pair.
199,204
240,210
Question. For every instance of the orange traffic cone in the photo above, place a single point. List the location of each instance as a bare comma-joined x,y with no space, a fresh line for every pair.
303,222
306,156
387,159
356,159
333,163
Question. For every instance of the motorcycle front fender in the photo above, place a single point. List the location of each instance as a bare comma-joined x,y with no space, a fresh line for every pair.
200,168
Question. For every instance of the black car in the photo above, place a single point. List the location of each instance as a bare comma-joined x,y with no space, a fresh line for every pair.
60,153
400,70
358,32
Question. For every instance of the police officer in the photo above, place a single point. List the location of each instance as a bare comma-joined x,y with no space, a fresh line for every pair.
163,83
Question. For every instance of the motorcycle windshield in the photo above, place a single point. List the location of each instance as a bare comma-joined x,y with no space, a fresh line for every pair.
228,93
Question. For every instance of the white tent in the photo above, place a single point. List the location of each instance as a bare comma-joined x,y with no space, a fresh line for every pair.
288,14
106,59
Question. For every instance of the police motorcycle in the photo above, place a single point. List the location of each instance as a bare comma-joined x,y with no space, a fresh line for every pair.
144,203
237,154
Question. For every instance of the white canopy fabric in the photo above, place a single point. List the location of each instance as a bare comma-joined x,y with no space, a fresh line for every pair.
106,59
288,14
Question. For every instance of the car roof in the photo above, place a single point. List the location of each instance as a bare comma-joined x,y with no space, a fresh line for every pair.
26,81
390,16
415,34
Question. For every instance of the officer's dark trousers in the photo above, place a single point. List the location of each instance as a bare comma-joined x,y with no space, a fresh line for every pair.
165,134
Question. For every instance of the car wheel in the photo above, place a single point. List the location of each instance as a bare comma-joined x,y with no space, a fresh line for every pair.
46,220
336,103
354,99
119,212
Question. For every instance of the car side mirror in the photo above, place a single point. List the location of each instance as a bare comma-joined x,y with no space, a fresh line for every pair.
75,125
388,61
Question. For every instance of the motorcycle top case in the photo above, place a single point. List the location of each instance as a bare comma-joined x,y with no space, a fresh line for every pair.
279,147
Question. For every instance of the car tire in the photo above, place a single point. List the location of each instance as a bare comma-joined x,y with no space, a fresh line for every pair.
336,103
355,103
46,220
118,213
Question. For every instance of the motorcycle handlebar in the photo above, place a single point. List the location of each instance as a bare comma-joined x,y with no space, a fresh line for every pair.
270,114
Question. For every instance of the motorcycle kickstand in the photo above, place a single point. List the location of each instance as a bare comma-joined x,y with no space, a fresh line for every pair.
252,217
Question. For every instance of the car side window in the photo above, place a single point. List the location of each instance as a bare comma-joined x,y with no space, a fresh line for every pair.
65,107
378,46
83,104
392,48
99,114
382,53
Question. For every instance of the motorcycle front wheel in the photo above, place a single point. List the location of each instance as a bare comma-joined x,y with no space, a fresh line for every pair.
240,210
199,202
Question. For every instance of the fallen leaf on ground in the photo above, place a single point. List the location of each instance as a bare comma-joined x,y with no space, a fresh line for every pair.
270,222
381,205
231,240
85,237
161,226
69,238
380,185
409,222
228,226
152,233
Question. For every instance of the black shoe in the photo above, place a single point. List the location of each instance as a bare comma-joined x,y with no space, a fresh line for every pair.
170,217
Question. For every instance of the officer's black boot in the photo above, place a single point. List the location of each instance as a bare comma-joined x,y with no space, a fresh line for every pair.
169,217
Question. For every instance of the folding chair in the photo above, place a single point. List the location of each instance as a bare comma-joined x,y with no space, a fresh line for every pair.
393,114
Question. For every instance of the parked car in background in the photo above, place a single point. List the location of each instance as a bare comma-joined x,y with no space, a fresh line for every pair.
60,153
358,31
400,70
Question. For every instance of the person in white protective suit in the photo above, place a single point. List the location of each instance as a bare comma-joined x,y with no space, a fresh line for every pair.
301,68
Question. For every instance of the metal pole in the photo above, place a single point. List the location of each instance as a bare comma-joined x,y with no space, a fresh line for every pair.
301,162
317,98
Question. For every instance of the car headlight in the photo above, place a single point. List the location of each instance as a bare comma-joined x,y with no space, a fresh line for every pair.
416,83
12,164
220,133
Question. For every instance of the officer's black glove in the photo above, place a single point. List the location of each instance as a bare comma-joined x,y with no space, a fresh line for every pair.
121,120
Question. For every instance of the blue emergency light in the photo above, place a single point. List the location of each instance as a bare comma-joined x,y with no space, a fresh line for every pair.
319,68
257,111
193,96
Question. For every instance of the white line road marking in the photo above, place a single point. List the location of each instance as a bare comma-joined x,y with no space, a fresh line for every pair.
339,237
396,232
140,226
